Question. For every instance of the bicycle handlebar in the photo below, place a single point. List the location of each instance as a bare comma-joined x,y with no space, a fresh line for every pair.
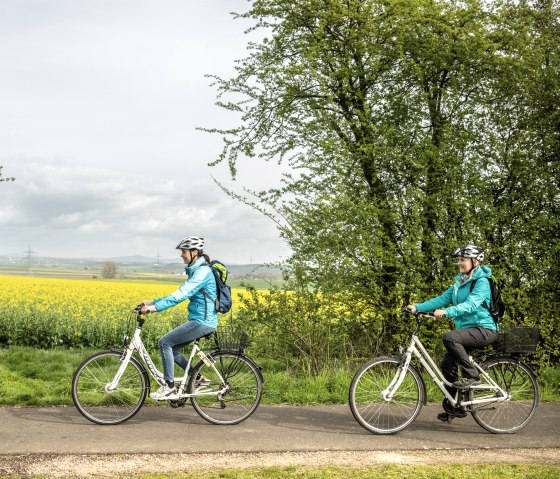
138,310
418,314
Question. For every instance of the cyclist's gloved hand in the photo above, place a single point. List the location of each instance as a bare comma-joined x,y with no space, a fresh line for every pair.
411,308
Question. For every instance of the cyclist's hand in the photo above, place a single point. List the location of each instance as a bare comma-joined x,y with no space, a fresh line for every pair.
439,313
411,308
146,307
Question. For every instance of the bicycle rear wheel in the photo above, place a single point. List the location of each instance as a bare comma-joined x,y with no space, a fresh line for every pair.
371,410
91,396
243,382
519,382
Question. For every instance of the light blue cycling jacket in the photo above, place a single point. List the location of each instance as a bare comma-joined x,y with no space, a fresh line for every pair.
201,309
467,310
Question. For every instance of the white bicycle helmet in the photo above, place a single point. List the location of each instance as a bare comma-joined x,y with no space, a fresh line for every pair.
191,242
470,251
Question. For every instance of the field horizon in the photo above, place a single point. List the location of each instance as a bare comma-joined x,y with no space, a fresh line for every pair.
260,276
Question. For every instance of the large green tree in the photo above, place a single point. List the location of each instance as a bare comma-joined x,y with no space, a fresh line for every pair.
408,126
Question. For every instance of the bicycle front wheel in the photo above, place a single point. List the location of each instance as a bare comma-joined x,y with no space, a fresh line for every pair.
513,414
376,413
234,399
95,401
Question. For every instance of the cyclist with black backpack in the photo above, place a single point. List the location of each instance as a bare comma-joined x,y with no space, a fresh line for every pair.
467,301
200,289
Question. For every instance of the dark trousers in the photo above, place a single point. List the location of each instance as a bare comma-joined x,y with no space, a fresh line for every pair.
459,343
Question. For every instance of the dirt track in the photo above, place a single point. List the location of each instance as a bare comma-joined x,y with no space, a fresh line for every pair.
126,465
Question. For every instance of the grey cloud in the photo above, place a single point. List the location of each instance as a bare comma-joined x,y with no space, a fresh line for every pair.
100,104
94,212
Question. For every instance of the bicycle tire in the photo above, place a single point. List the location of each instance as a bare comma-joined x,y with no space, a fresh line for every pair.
100,406
371,410
519,381
244,383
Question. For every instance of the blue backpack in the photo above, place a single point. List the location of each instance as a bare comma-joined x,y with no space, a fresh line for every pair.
223,301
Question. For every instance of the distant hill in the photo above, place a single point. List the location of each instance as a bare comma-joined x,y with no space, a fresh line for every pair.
136,264
139,259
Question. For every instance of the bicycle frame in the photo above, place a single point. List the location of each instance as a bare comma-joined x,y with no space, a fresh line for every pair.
416,349
136,344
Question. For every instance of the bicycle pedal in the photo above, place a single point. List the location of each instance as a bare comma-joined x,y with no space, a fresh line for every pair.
448,417
178,403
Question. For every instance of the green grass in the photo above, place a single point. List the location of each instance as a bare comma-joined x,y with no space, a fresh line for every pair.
389,471
549,380
35,377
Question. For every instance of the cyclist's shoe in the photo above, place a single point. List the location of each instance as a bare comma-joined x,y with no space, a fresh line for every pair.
447,417
165,393
450,412
467,383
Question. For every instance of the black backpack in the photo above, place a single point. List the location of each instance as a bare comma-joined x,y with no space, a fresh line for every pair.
497,306
223,301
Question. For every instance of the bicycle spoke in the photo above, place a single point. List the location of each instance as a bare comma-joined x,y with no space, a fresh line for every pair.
513,414
92,399
243,391
376,413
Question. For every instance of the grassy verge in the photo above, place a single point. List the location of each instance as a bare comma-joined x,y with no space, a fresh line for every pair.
33,377
381,472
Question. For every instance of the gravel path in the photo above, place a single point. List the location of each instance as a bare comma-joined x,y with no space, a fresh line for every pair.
59,443
126,465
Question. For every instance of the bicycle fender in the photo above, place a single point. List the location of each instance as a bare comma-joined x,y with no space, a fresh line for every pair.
411,366
136,362
259,369
496,357
237,353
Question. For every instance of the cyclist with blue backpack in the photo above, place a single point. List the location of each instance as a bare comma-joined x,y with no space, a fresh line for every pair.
466,301
200,289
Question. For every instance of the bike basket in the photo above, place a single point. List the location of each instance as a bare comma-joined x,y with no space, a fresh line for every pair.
230,339
518,339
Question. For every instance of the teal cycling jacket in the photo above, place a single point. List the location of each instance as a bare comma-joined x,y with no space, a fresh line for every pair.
467,310
201,309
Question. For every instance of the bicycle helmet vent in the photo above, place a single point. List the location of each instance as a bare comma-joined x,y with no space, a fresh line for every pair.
470,251
191,242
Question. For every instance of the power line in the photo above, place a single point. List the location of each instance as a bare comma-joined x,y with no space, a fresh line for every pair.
156,265
29,260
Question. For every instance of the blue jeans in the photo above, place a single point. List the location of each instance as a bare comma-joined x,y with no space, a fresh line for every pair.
177,339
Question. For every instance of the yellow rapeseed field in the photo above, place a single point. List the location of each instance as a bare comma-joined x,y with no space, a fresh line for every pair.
46,312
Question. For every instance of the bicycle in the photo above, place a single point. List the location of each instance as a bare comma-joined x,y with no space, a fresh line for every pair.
111,386
387,393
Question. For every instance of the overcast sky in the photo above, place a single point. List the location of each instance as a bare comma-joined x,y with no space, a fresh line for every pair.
99,105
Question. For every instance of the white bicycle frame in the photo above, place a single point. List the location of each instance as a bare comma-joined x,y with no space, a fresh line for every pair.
137,344
417,349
